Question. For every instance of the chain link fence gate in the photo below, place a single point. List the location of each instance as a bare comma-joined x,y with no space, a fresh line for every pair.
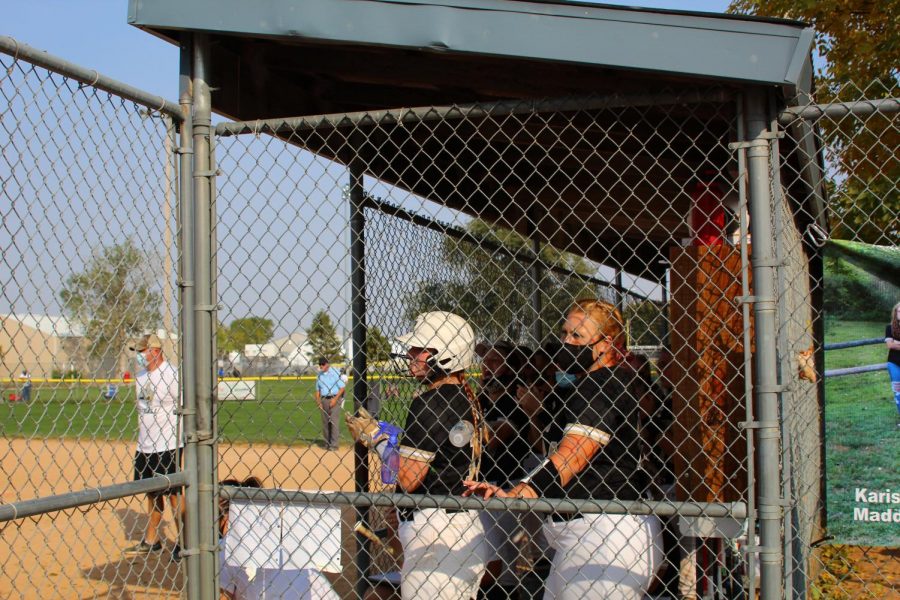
298,238
90,221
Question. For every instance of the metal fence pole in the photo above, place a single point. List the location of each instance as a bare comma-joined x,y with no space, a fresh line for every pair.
203,179
792,557
214,321
187,333
620,297
170,144
748,354
766,367
360,366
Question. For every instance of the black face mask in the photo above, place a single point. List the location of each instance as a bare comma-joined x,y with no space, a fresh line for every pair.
573,359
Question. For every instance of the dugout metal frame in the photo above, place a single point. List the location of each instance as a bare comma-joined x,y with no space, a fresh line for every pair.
195,202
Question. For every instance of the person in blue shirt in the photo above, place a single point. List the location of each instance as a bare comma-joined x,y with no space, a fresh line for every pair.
329,397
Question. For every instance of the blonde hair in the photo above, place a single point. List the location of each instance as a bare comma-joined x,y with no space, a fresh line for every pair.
607,317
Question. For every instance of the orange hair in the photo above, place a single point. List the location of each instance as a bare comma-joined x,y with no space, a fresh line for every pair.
607,317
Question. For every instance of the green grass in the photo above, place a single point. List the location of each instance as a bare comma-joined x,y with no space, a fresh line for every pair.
862,439
845,331
284,412
69,411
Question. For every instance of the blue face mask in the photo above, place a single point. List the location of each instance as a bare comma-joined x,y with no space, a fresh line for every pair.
141,360
565,380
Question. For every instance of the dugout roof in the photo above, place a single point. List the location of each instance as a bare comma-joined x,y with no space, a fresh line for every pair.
283,58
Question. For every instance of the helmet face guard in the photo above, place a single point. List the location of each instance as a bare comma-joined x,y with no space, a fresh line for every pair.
399,364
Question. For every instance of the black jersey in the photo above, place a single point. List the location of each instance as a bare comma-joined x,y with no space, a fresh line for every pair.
602,407
503,464
893,355
431,416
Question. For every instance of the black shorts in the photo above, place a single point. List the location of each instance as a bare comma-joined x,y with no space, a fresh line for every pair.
152,464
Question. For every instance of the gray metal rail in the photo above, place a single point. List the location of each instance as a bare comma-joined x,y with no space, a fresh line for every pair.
855,370
30,508
836,110
854,343
411,116
18,50
736,510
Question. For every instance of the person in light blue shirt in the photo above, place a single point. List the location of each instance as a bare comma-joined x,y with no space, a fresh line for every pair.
329,397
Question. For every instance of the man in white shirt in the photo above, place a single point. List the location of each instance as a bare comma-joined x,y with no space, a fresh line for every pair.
158,447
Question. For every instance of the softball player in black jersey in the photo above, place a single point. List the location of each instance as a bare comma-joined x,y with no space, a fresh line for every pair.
444,550
597,555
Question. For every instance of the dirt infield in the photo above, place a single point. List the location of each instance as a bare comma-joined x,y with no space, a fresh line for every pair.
78,553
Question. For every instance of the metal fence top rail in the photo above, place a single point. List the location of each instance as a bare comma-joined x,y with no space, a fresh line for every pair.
737,510
836,110
413,115
29,508
18,50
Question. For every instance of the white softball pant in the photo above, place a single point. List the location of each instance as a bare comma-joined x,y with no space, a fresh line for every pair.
444,555
613,557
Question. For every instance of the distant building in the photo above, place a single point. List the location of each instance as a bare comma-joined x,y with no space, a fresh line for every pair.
296,351
41,344
48,344
287,355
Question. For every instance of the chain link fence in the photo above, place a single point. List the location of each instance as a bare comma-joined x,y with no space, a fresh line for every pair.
694,450
89,230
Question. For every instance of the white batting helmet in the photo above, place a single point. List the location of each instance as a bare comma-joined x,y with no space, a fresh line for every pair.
449,336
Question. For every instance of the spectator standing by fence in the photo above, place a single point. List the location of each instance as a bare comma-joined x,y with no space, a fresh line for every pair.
330,388
892,339
158,446
502,461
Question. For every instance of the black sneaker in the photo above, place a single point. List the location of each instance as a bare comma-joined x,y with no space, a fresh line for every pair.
143,549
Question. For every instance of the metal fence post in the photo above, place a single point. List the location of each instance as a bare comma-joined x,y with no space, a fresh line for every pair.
360,366
203,180
792,555
766,367
187,333
748,354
